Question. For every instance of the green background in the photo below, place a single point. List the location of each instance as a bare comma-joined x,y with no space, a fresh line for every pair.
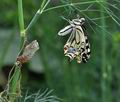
98,80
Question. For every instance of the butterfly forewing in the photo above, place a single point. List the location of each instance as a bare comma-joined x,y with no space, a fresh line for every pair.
67,30
71,38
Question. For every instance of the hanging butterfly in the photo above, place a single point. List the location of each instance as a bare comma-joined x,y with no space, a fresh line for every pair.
77,46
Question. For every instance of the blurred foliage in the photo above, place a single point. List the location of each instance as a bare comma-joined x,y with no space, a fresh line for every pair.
72,82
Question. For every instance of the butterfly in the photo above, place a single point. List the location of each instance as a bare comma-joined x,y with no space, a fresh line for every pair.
77,45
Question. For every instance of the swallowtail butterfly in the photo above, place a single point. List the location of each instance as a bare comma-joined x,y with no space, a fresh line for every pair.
77,46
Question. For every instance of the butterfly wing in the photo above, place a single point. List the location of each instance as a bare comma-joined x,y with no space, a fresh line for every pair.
80,43
77,46
85,53
79,37
87,47
67,30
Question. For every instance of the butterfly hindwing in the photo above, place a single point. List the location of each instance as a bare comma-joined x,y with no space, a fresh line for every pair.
88,51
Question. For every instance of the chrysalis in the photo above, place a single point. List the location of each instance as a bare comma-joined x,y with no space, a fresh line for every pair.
28,52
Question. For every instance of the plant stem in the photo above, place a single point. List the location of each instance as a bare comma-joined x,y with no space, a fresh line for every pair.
21,19
44,5
104,83
21,24
103,78
14,85
37,15
71,4
33,21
